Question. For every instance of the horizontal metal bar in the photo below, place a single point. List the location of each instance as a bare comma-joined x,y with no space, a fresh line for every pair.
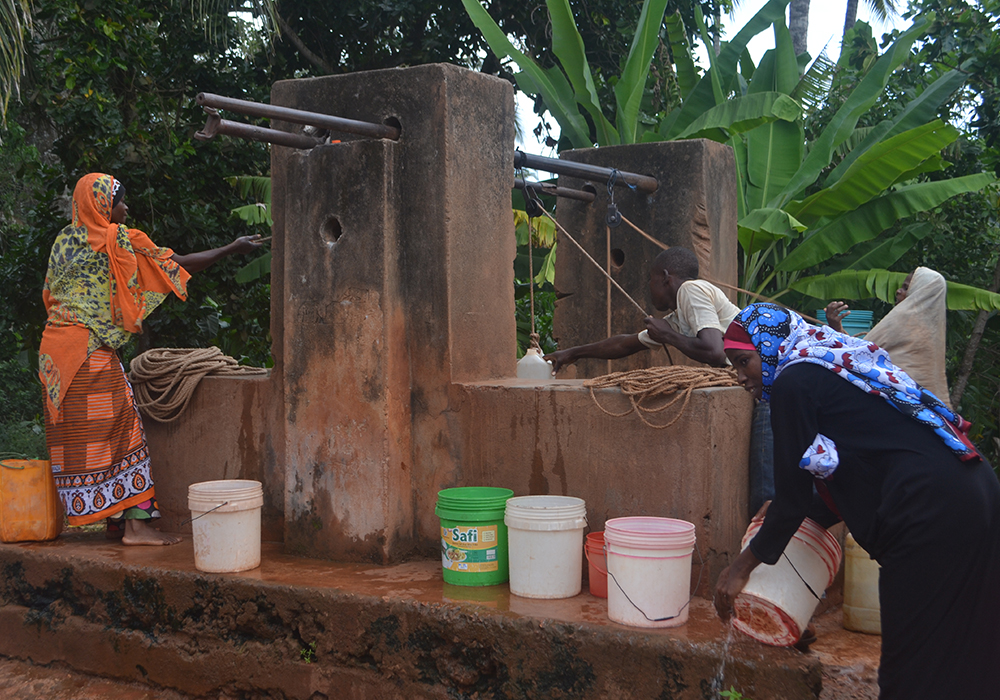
585,171
217,125
554,190
298,116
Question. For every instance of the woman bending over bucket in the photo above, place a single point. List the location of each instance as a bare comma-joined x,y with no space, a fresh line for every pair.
896,464
103,280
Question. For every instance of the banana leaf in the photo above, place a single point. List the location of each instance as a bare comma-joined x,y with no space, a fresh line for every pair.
846,118
687,73
875,216
551,85
761,227
882,284
254,270
883,254
702,97
774,150
875,171
567,45
255,214
741,114
919,111
632,82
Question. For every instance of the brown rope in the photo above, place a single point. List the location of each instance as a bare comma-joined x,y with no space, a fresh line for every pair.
596,264
164,379
642,386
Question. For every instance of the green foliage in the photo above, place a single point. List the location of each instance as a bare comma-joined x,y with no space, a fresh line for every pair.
732,694
15,24
308,653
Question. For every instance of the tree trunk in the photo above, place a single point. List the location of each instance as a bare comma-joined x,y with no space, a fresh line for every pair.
798,25
851,16
965,369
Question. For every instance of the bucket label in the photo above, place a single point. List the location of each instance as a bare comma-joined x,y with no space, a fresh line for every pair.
469,549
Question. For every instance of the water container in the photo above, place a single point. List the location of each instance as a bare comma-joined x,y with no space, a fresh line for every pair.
597,564
546,545
473,535
856,323
533,366
649,570
225,520
862,612
778,601
30,509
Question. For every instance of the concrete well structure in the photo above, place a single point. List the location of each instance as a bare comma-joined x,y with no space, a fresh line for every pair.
394,337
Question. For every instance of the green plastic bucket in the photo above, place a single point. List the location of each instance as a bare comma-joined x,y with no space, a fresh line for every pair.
473,535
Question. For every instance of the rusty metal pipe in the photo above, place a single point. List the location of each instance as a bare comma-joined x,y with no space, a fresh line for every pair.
217,125
554,190
585,171
298,116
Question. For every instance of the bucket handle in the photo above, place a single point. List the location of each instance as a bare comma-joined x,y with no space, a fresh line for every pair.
10,466
701,571
800,577
225,503
586,552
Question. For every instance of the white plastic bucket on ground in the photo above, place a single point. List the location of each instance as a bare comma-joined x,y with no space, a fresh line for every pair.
649,570
776,604
225,518
862,610
545,545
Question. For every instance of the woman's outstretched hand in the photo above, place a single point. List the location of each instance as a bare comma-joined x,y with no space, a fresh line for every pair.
836,312
246,244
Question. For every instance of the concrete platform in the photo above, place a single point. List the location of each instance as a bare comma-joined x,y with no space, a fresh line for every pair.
301,628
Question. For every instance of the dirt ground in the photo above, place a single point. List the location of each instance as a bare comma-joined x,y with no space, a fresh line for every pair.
20,680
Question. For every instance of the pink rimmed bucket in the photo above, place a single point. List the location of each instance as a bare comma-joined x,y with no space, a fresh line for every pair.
649,570
778,600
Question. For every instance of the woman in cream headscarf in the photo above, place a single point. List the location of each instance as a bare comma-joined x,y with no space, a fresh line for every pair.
913,333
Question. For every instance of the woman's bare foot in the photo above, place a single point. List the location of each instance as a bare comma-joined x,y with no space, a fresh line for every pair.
140,532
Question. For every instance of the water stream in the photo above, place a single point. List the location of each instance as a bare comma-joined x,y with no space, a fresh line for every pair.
720,675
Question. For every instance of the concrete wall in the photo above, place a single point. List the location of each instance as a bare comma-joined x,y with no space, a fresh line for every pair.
694,207
229,430
552,438
397,281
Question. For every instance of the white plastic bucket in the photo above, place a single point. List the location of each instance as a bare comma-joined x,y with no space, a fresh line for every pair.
776,604
862,610
545,538
649,570
225,518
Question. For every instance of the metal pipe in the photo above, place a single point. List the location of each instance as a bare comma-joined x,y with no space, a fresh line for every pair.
298,116
585,171
217,125
554,190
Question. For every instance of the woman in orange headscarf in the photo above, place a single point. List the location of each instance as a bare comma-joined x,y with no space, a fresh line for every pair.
103,280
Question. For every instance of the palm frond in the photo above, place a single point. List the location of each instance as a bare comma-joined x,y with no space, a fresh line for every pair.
15,24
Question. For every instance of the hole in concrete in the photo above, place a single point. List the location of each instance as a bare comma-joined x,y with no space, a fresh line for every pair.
617,258
589,188
331,230
392,121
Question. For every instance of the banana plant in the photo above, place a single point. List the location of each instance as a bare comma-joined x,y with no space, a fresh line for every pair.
568,89
256,214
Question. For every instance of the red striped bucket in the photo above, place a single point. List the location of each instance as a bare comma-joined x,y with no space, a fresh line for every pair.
778,601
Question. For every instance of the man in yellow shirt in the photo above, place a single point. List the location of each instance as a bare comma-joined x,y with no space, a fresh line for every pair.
699,315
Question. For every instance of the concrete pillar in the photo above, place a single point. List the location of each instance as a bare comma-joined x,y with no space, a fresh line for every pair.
694,207
395,281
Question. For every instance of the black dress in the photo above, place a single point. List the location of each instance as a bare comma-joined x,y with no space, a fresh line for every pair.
931,521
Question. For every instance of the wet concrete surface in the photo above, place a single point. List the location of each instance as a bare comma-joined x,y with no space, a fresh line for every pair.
299,591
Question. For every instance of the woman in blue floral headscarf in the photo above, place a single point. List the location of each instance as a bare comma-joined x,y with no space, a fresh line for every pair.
896,464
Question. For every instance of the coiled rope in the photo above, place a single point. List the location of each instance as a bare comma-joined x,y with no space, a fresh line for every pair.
647,389
164,379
